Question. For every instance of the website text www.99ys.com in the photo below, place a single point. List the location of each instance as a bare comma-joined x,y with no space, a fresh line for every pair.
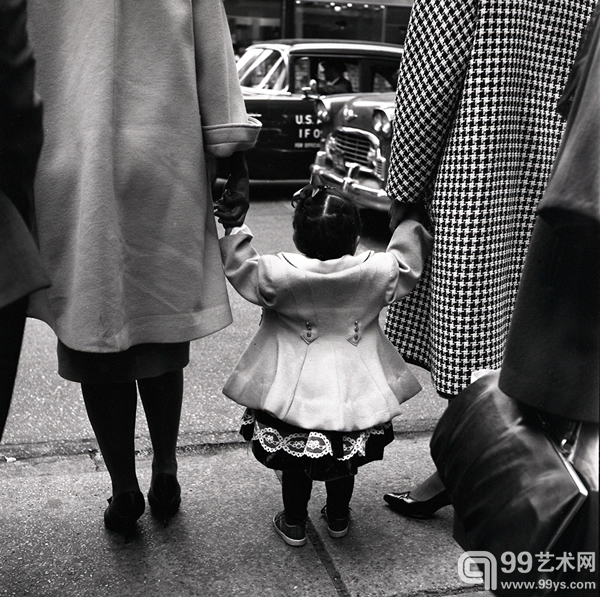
481,567
549,585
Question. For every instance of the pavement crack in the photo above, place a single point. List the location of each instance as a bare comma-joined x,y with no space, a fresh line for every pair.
336,578
315,539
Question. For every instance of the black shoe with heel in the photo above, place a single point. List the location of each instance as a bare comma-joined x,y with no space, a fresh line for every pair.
164,496
407,506
123,511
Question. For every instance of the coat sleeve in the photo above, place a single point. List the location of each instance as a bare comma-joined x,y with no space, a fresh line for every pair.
430,81
409,246
225,124
244,267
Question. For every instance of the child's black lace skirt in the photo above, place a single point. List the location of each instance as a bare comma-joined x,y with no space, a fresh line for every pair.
322,455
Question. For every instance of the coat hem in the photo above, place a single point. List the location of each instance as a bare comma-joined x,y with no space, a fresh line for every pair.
147,330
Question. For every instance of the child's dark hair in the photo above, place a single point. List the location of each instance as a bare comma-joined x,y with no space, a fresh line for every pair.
326,224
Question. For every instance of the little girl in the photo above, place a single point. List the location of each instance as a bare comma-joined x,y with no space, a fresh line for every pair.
320,380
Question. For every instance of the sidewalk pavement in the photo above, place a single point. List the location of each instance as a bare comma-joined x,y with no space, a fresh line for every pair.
53,542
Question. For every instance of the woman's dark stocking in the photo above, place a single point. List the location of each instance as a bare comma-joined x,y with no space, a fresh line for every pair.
111,409
162,398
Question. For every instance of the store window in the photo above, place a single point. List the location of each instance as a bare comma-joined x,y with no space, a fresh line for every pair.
338,21
251,21
350,20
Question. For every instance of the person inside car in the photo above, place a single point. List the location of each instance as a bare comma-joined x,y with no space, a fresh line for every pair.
334,82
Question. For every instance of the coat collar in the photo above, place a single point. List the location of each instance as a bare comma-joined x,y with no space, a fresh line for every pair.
325,267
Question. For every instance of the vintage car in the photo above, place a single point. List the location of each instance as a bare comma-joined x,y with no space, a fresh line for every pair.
355,154
276,80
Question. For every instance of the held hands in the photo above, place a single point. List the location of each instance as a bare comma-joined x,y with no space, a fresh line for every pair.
400,211
231,208
396,213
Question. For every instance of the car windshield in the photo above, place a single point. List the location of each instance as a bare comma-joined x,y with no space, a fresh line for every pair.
261,68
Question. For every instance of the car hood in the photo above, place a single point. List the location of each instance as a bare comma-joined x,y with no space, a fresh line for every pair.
358,112
367,101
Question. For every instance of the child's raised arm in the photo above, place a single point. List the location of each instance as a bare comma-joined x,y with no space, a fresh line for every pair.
411,244
241,264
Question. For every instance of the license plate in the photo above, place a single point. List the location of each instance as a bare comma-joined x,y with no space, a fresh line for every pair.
338,163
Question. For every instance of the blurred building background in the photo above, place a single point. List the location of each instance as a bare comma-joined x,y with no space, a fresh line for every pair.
261,20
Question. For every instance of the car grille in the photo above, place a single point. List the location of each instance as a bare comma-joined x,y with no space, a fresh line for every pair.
354,146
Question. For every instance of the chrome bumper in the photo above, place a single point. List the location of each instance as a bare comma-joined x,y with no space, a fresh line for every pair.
352,184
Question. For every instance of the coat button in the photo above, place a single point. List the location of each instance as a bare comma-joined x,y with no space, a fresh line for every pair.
356,336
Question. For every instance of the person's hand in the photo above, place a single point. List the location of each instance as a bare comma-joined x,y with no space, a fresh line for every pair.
231,209
400,211
233,205
396,213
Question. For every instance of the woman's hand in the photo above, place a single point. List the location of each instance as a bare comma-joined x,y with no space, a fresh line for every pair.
400,211
231,209
396,213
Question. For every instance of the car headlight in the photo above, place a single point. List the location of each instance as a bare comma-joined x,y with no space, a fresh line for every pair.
381,123
322,111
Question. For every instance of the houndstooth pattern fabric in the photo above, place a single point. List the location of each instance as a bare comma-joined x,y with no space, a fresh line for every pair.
475,135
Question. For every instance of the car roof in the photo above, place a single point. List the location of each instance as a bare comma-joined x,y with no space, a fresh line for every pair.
318,45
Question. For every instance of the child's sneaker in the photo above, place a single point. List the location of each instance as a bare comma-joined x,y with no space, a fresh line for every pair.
292,534
337,527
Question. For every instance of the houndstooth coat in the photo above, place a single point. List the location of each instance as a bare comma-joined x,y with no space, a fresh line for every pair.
475,135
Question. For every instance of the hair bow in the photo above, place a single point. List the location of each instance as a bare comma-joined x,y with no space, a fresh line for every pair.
307,191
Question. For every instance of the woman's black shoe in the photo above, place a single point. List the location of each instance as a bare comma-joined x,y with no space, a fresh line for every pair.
407,506
164,496
123,511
